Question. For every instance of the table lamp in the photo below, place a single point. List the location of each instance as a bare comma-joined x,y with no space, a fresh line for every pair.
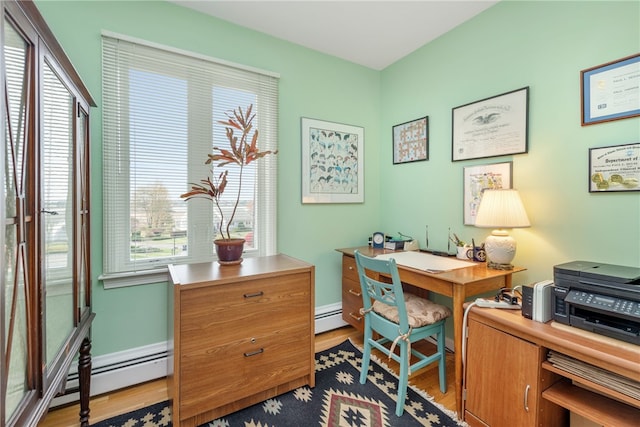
501,209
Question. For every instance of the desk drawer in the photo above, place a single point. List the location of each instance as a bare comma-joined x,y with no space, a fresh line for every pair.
349,269
352,303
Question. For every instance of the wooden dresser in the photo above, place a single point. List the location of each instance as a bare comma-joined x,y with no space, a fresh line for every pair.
241,334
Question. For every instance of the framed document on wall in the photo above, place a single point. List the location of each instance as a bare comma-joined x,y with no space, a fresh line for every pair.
491,127
610,91
615,168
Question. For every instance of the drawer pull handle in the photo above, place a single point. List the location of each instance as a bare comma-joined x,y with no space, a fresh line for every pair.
358,318
254,353
526,398
253,295
351,267
356,293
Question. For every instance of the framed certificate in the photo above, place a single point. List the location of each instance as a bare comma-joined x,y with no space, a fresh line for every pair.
495,126
611,91
615,168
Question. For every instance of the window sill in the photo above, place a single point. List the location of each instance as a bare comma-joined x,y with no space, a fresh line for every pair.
123,280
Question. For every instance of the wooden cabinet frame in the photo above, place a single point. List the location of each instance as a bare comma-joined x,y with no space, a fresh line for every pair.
30,52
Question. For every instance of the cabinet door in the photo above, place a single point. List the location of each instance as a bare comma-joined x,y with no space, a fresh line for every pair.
20,338
501,377
56,211
83,292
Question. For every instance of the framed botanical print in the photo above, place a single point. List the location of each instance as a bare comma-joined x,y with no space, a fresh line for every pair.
332,162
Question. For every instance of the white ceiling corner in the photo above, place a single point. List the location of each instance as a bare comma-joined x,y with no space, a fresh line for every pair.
374,34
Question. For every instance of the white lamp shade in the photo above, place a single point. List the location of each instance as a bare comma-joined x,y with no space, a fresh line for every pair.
501,209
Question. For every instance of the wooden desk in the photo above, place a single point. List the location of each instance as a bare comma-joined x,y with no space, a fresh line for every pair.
457,284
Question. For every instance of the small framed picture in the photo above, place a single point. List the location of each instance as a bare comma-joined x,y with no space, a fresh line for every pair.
411,141
332,162
610,91
615,168
479,178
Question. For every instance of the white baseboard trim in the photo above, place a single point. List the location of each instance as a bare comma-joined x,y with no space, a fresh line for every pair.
329,317
130,367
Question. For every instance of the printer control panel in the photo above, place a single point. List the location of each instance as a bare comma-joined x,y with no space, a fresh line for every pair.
606,303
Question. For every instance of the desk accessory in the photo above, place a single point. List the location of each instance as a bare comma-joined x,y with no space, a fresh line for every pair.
536,301
378,240
436,252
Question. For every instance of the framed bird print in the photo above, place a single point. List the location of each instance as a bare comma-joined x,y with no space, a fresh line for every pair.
332,162
496,126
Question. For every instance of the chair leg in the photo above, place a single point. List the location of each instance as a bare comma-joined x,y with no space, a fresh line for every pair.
403,378
442,362
366,356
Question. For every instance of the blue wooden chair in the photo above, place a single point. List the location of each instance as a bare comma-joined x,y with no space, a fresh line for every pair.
400,318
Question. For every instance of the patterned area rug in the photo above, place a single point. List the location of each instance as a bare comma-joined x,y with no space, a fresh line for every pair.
337,400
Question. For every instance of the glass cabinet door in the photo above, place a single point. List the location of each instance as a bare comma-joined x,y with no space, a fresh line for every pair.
56,211
19,344
84,301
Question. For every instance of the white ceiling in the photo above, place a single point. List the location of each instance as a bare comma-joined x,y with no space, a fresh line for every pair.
370,33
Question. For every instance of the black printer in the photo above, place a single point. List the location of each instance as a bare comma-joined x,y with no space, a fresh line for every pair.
601,298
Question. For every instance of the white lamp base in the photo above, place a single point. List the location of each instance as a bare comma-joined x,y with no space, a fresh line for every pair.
501,249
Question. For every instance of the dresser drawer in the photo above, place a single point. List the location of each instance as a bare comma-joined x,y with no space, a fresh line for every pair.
225,313
223,374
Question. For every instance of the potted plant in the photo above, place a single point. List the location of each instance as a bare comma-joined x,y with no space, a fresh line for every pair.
242,151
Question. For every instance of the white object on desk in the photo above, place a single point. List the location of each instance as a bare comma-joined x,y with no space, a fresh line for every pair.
411,245
426,262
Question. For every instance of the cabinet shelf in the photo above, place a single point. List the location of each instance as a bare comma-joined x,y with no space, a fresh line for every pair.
592,406
615,395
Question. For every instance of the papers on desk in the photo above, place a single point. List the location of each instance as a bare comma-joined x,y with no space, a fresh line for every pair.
426,262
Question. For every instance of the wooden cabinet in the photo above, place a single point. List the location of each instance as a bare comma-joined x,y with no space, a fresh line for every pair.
46,279
511,379
241,334
502,381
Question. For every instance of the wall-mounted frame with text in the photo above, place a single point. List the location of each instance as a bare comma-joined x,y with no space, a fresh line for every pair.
611,91
495,126
614,168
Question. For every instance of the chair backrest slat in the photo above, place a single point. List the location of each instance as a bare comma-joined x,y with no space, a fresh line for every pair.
376,288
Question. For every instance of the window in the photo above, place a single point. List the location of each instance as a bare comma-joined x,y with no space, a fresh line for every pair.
161,109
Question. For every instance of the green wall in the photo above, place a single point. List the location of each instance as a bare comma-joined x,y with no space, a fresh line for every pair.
543,45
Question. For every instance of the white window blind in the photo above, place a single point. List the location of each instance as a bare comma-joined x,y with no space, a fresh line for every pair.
161,109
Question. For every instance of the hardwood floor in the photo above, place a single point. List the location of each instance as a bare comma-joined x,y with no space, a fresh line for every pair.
139,396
